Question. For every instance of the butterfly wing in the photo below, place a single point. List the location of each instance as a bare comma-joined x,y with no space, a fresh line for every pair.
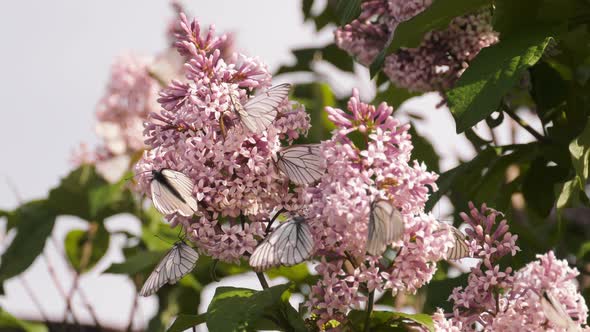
167,201
289,244
295,243
301,163
264,256
260,111
556,314
460,249
385,226
179,261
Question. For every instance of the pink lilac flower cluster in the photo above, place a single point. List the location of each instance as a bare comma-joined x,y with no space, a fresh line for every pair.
376,166
131,95
497,299
436,63
198,133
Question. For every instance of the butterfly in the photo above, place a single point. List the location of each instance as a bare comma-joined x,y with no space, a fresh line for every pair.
385,226
460,249
178,262
260,111
556,314
302,164
289,244
172,192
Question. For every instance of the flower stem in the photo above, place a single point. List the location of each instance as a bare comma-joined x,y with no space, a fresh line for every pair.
262,280
524,124
273,220
369,310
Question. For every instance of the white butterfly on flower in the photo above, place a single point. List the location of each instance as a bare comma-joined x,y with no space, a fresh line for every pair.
289,244
556,314
460,249
172,192
302,164
385,226
178,262
260,111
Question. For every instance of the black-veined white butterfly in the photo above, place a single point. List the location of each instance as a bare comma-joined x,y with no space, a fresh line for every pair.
460,249
556,314
289,244
172,192
385,226
260,111
302,164
178,262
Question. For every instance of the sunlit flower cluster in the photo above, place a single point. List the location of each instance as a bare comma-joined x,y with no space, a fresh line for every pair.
367,159
436,63
197,132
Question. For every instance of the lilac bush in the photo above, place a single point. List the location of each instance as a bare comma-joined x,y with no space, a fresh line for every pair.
434,65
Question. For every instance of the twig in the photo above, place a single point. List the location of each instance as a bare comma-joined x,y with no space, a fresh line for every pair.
273,220
369,310
58,285
242,220
262,280
524,124
34,298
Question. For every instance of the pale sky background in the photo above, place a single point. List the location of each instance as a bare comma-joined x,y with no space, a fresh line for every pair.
55,62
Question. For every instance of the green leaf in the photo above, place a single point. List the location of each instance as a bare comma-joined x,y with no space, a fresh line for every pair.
78,242
493,73
422,319
184,322
393,96
493,180
72,196
549,89
540,195
110,199
305,57
567,194
436,17
580,152
298,273
467,173
140,262
348,10
315,97
511,15
242,309
10,323
386,320
423,150
572,191
438,291
33,222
